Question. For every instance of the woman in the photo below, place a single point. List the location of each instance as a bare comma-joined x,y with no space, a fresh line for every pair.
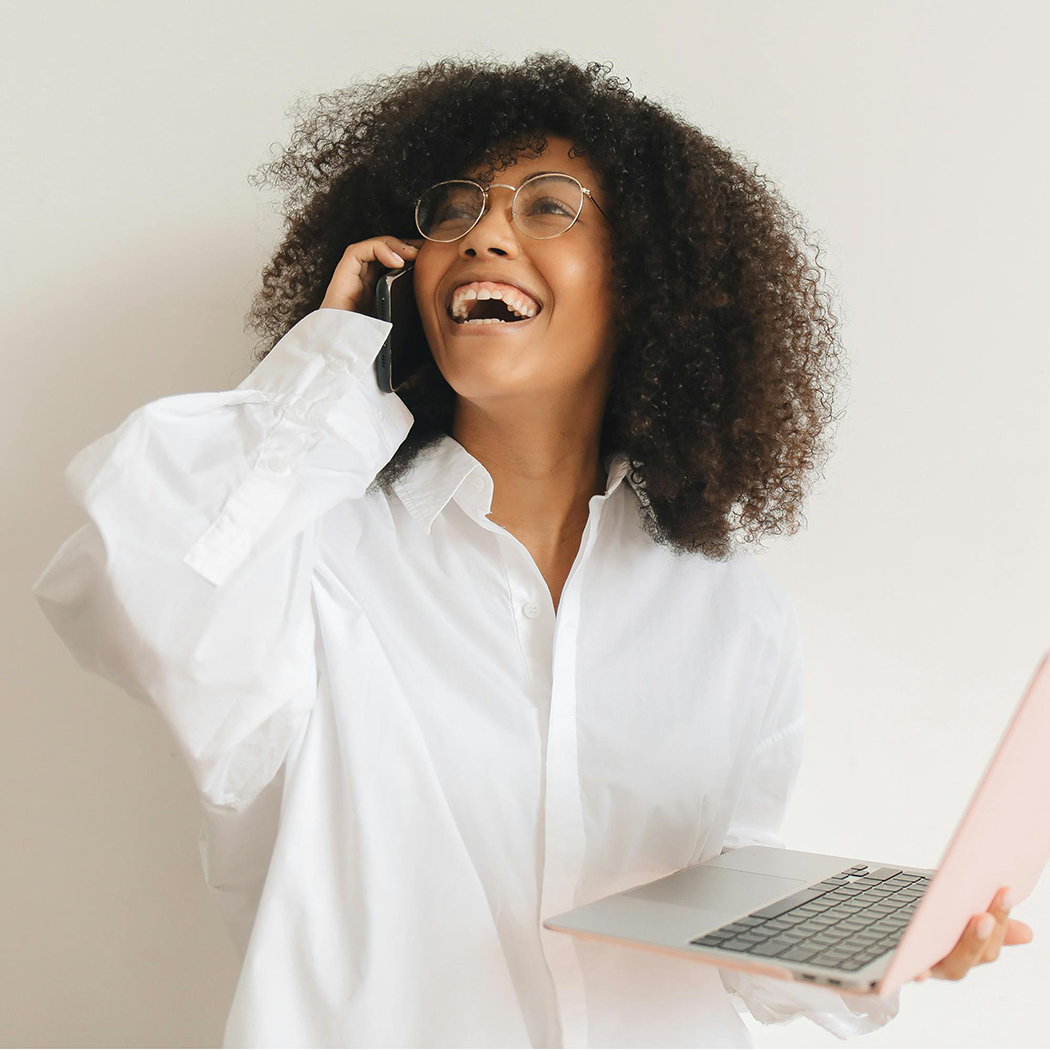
446,661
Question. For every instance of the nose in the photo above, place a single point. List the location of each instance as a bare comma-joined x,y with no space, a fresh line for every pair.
495,228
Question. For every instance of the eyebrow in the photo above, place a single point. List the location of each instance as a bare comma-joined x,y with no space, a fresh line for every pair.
531,173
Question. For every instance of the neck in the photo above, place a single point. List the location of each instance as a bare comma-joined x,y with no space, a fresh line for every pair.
544,471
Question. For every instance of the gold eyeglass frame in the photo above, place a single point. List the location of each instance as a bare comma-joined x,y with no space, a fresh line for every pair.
586,195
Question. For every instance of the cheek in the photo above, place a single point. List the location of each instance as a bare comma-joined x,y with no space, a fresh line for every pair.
583,280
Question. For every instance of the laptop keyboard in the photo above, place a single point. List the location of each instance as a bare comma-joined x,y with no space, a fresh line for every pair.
845,921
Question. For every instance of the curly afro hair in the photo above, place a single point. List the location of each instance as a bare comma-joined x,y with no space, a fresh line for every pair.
726,351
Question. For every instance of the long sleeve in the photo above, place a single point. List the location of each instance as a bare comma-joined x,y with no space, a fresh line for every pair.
757,820
189,586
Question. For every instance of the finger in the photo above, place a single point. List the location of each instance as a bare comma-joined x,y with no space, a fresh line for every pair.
984,928
404,246
389,256
1001,910
955,965
1017,932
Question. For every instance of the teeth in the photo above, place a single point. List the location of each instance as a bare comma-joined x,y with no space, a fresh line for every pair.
519,306
485,320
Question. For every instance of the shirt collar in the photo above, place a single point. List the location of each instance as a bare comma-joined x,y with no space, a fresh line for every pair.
446,470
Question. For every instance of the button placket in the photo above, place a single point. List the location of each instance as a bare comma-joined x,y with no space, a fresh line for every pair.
278,465
564,838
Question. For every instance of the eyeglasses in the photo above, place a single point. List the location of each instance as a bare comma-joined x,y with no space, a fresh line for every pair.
545,205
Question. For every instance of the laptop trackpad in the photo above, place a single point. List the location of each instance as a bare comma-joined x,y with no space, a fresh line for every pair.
718,889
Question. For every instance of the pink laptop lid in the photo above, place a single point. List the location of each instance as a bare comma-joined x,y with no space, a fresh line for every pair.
1002,840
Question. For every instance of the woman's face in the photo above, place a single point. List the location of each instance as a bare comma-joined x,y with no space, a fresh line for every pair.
568,344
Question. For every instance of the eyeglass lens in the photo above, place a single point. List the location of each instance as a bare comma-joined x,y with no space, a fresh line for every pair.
544,207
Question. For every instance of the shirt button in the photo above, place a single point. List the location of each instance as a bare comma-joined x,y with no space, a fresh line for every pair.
277,465
477,484
532,610
337,364
379,414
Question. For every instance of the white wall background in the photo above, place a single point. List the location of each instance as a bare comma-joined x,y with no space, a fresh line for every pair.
908,133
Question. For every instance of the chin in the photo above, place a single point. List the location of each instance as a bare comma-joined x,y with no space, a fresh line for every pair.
483,382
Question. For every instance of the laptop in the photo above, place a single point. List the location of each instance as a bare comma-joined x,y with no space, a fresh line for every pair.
858,925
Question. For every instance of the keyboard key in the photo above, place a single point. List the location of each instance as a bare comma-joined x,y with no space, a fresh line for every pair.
798,954
748,920
762,931
874,952
771,911
773,947
707,942
884,873
815,949
734,944
806,930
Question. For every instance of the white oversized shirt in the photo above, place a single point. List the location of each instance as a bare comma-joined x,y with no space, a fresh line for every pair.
406,759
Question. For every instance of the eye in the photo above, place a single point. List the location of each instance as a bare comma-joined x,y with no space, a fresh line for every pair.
553,203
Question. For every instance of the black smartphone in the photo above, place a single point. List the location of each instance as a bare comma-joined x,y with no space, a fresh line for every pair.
406,348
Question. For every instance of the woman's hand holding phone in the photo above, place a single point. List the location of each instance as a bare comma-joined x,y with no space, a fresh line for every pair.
355,278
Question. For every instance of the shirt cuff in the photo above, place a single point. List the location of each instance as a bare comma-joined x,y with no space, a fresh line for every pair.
771,1000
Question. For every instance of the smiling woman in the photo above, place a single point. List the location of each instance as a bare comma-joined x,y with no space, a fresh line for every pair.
701,347
432,677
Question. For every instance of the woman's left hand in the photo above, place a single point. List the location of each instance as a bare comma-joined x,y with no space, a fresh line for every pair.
972,950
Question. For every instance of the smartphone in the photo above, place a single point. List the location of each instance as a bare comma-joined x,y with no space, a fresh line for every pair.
406,347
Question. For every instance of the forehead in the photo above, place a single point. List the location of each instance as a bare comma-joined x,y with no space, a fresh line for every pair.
554,158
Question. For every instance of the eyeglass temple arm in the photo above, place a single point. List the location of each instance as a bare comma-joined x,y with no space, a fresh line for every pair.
587,193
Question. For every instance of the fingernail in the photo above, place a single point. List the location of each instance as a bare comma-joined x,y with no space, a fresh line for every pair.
396,256
1007,901
985,927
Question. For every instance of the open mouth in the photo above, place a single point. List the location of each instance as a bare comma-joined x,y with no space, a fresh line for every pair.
489,312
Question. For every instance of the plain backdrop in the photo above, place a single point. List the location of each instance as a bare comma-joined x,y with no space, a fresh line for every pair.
911,135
